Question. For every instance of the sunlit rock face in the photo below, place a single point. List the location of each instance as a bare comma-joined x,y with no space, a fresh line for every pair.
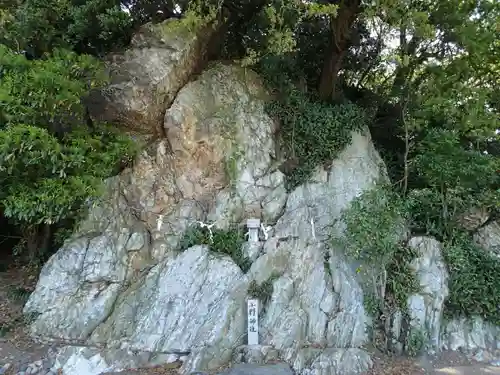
123,287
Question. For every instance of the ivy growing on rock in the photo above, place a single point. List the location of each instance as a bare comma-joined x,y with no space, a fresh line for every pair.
474,280
312,133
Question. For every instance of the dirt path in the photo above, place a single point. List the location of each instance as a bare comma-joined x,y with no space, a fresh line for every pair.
22,354
447,363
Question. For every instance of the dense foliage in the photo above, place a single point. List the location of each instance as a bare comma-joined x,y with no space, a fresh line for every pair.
319,144
39,26
52,159
424,76
376,235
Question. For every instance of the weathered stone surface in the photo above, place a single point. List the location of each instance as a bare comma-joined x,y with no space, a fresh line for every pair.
122,282
471,335
78,287
145,78
85,360
137,225
489,238
317,301
473,218
426,308
214,120
256,354
184,304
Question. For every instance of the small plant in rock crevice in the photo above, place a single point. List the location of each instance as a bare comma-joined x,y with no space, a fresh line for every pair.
264,291
415,342
228,242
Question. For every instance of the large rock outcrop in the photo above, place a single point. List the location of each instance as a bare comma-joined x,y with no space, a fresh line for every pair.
122,286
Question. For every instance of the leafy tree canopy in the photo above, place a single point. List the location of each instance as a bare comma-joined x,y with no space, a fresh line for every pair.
51,161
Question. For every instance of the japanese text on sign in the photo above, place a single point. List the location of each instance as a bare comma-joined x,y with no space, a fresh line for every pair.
253,321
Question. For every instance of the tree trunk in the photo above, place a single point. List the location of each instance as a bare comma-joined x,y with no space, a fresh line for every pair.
340,28
404,72
38,241
329,75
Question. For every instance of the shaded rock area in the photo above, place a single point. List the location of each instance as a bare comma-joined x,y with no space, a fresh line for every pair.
146,77
426,308
478,339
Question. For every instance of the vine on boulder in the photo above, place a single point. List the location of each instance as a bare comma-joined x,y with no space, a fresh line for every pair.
313,133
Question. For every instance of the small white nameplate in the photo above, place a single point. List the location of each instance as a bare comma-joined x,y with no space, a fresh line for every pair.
253,321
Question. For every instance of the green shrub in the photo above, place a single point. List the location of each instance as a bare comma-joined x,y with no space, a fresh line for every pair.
373,223
415,342
228,242
474,280
401,280
264,291
456,179
52,159
374,226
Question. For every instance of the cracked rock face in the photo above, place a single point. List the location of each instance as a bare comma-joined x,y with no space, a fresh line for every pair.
122,284
146,77
489,238
469,335
426,307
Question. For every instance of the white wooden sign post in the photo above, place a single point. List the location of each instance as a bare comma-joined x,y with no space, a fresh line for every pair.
253,226
253,321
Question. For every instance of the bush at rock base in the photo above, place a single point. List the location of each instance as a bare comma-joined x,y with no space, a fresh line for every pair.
375,235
